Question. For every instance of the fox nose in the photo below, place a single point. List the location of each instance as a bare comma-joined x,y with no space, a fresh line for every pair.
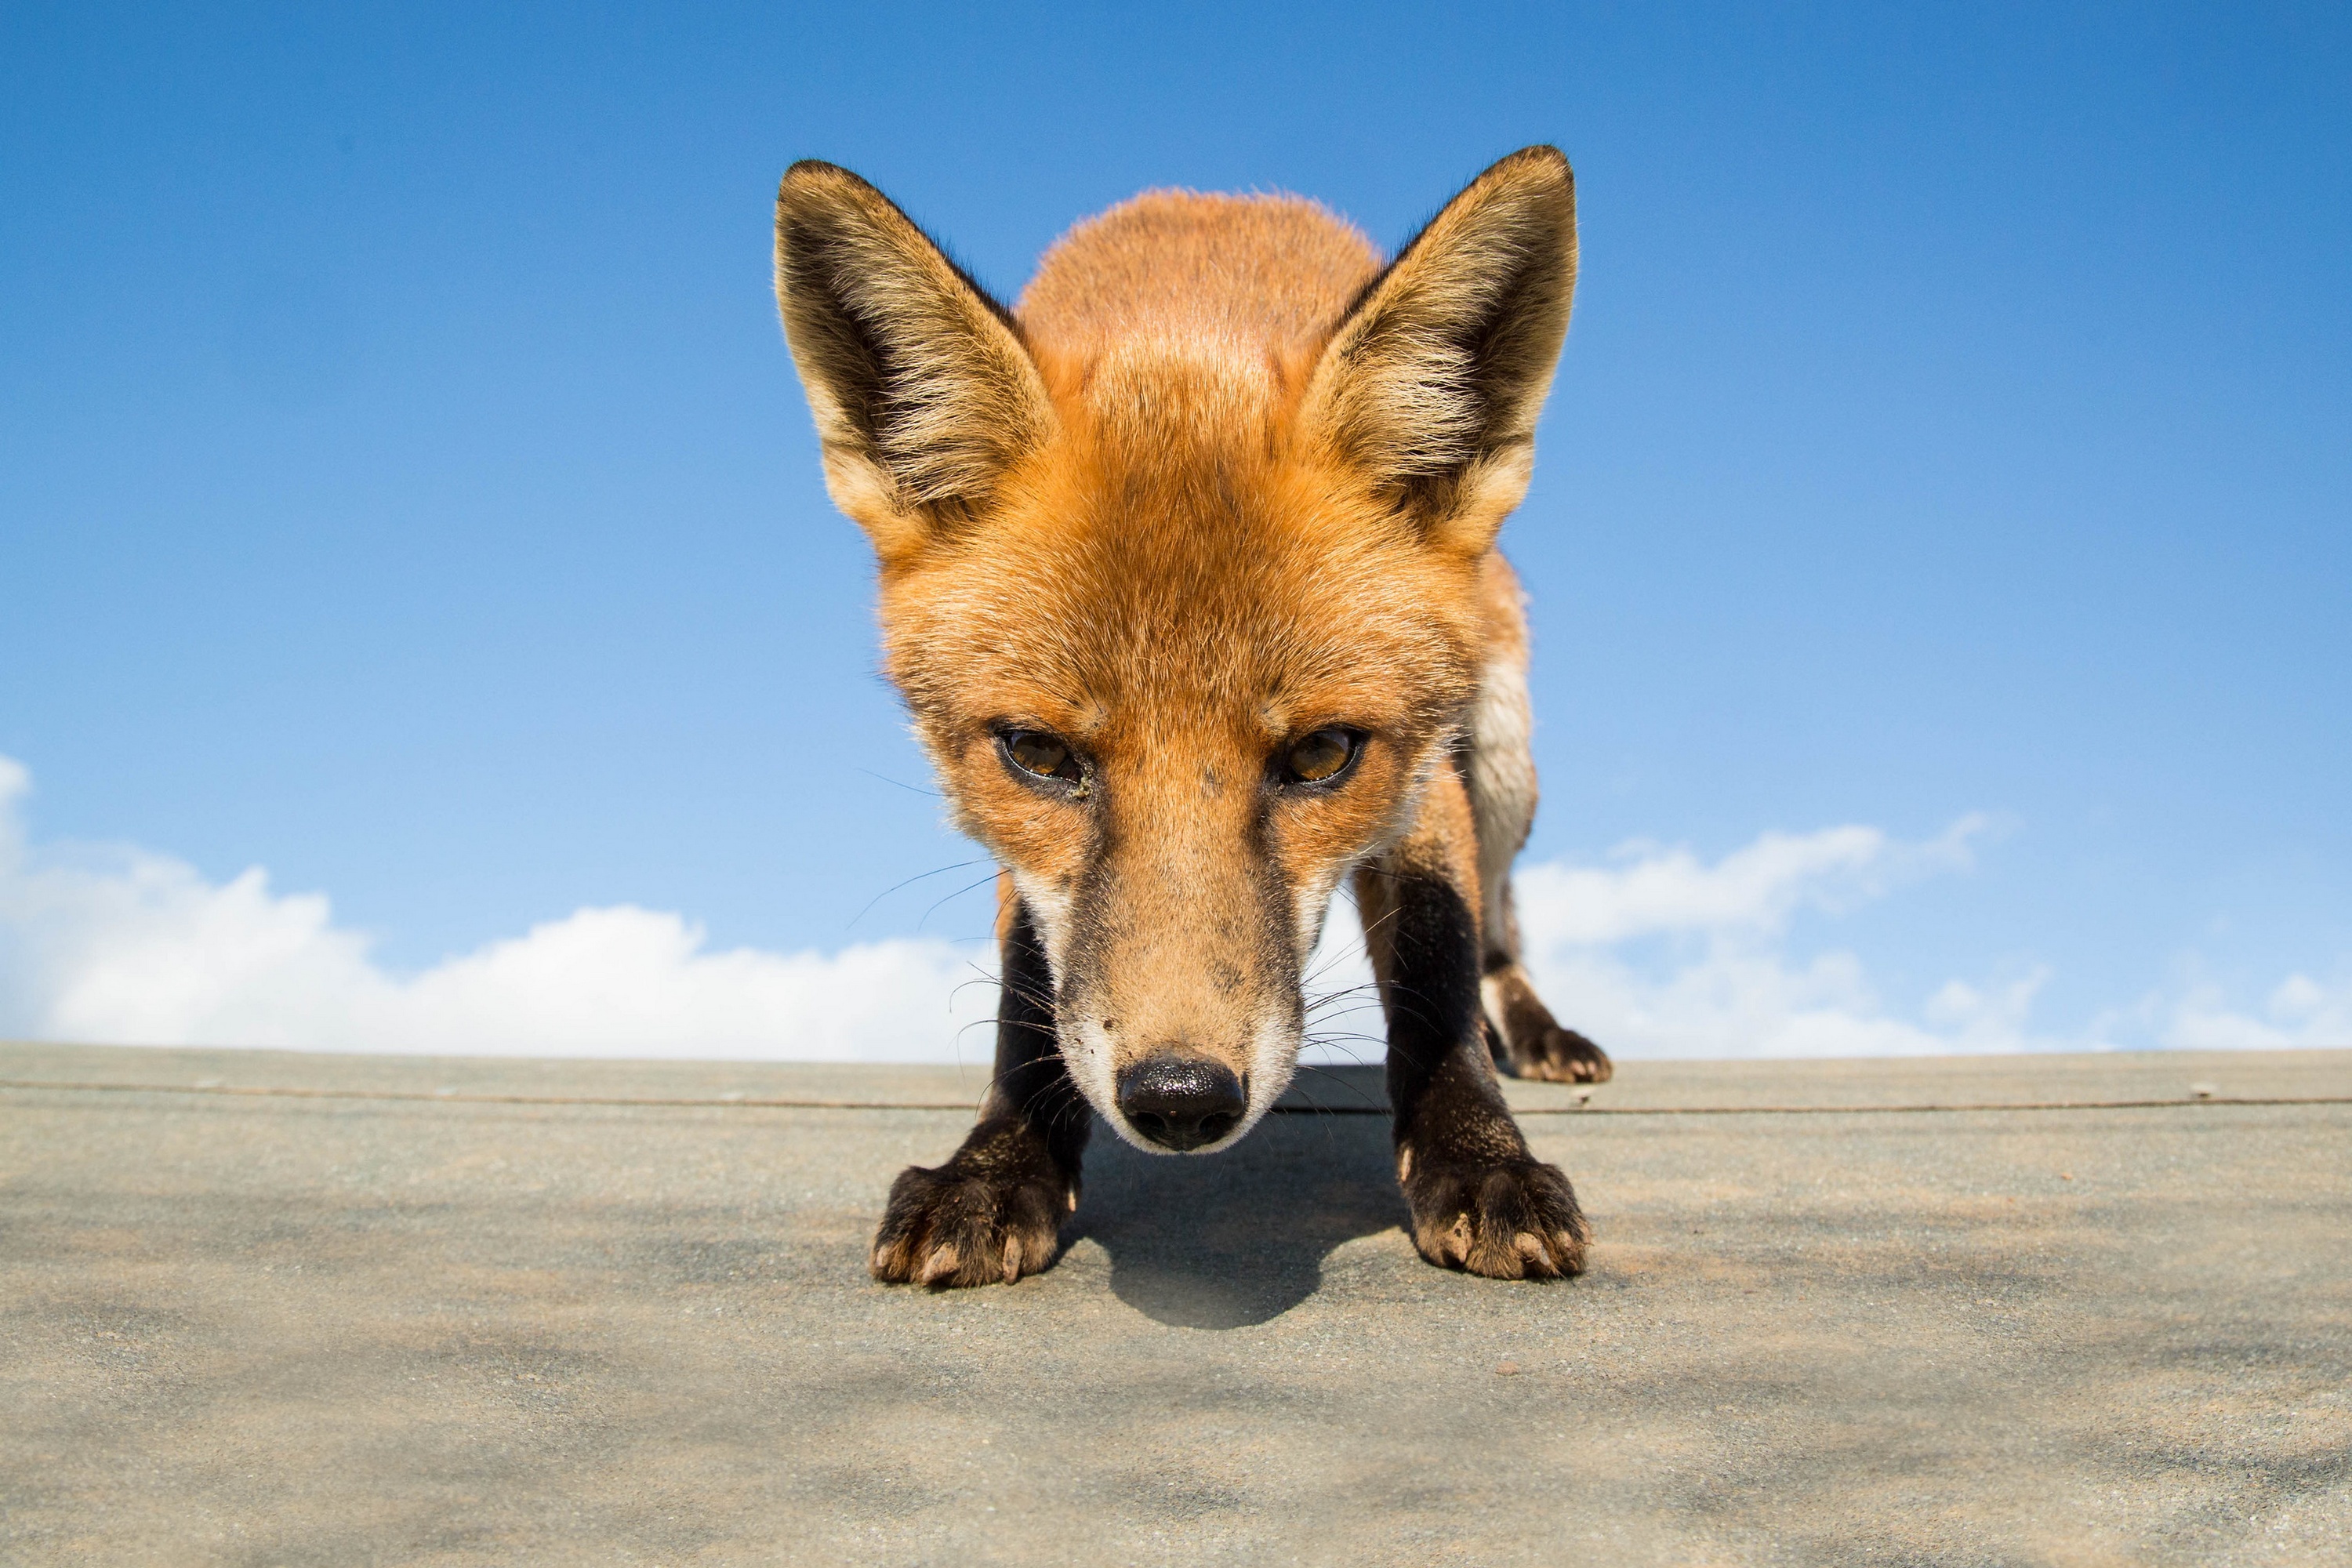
1180,1102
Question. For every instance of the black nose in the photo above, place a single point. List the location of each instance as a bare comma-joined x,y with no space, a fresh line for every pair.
1180,1102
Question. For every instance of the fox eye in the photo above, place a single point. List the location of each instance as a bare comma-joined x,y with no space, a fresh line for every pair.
1036,752
1322,756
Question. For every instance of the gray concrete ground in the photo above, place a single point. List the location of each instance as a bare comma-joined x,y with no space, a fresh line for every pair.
278,1329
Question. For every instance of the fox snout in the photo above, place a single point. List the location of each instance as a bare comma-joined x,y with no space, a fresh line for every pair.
1178,1003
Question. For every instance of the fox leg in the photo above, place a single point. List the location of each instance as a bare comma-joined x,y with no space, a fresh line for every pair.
1501,772
994,1211
1480,1201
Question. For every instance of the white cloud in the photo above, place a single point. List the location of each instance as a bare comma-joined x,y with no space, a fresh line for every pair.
2300,1012
1719,980
1657,891
138,948
1656,953
1660,953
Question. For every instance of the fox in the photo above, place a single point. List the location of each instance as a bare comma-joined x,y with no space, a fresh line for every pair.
1188,578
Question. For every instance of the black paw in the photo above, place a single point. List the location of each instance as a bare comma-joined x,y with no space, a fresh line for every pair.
1560,1056
1534,1046
1511,1219
976,1220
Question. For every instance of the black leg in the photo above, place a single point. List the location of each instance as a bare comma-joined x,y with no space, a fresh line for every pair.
1031,1084
1480,1201
994,1211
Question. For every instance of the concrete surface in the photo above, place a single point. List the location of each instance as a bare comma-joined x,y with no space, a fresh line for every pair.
275,1329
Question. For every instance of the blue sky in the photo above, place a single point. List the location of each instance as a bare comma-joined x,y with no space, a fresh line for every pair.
403,487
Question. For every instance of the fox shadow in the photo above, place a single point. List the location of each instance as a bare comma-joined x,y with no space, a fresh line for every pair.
1232,1239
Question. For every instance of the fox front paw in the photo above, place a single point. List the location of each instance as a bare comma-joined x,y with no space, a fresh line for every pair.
949,1226
1559,1056
1510,1219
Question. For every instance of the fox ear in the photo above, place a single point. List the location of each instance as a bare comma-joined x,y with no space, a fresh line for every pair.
922,391
1431,382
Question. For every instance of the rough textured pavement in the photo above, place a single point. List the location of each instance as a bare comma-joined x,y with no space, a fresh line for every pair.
248,1328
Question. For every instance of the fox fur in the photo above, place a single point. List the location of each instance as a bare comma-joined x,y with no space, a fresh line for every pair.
1218,494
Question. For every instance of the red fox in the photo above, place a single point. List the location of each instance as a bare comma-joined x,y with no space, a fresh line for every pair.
1188,578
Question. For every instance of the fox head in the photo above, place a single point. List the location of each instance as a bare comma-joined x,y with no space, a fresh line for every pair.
1182,571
